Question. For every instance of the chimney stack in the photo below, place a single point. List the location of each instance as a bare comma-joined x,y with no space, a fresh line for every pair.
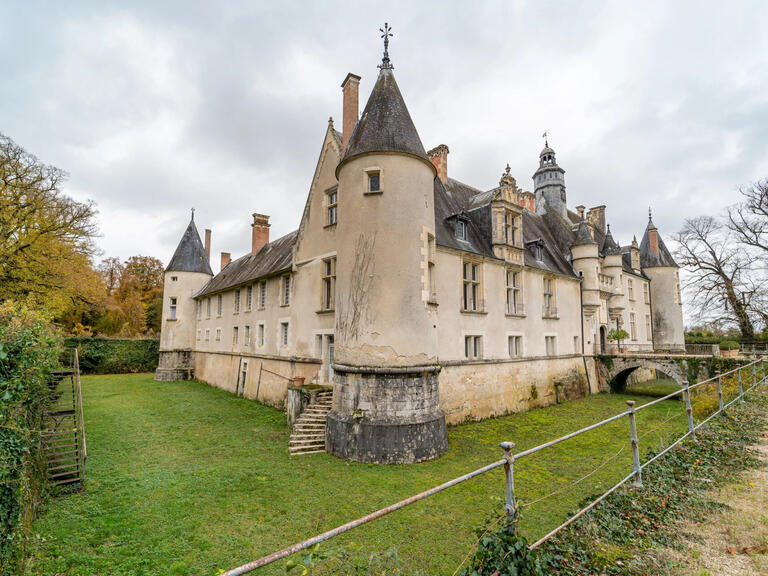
259,232
208,244
351,89
580,211
225,258
596,216
439,158
528,201
653,240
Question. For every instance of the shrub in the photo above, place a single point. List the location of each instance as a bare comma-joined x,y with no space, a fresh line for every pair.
113,355
28,352
729,345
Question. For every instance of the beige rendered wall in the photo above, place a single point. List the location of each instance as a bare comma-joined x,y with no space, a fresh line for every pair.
493,324
667,308
180,333
382,317
481,390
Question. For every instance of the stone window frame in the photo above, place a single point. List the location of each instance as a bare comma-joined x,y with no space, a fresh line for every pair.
285,289
262,294
549,297
261,335
632,327
173,306
235,335
218,334
550,337
473,346
368,173
472,286
284,332
219,305
630,289
646,293
249,298
520,345
199,334
518,301
648,328
208,308
207,334
328,285
247,336
332,206
236,302
430,249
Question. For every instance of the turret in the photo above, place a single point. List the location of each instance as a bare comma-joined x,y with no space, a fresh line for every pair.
386,373
666,305
186,274
584,251
549,183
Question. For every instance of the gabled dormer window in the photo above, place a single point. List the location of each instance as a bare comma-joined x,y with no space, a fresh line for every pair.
461,229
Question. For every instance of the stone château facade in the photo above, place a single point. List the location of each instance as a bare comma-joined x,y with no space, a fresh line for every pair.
421,299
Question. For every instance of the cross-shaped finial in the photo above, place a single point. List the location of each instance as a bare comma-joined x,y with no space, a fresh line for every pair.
546,138
649,212
386,33
193,213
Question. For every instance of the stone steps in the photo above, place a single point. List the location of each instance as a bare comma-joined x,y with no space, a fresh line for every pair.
308,434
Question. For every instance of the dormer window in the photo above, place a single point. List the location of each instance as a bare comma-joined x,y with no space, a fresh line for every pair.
461,229
540,252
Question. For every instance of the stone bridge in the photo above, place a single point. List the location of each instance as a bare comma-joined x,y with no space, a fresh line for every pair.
614,370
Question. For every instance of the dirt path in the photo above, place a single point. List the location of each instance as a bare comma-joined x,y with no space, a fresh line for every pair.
735,540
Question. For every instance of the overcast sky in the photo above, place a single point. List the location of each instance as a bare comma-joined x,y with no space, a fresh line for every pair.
156,107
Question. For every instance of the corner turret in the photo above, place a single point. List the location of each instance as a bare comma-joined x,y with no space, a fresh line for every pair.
187,273
386,407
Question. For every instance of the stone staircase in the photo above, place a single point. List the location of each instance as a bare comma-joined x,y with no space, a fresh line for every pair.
308,434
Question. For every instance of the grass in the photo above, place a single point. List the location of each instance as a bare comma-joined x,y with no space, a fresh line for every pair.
657,387
183,479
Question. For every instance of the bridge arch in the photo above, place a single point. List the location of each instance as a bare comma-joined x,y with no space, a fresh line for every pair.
615,370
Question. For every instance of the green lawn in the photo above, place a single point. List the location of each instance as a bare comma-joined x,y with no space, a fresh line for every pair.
657,387
187,479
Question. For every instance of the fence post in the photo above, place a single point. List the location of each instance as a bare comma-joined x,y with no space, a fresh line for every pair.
509,476
741,386
634,442
689,409
719,392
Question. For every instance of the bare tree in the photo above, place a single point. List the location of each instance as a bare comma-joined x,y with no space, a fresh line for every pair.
723,282
748,220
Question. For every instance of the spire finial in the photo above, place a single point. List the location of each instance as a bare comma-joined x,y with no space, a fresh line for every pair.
546,138
649,213
609,228
193,213
386,33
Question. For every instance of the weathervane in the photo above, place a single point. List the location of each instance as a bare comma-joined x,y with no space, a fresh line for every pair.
386,33
546,138
649,212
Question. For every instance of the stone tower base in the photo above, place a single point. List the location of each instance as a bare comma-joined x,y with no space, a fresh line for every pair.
175,365
386,417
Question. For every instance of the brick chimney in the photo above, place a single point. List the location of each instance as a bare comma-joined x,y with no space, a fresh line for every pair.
208,244
351,89
528,201
259,232
653,240
225,259
596,216
439,158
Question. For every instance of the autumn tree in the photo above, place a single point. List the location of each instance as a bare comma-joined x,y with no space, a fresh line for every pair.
46,237
723,284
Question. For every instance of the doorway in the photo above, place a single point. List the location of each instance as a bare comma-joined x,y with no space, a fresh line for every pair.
603,344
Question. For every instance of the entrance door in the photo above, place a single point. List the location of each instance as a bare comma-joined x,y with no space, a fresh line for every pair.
602,339
330,358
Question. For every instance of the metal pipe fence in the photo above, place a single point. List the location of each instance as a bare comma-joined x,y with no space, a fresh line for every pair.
509,459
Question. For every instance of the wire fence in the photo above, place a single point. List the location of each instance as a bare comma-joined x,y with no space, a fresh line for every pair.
698,399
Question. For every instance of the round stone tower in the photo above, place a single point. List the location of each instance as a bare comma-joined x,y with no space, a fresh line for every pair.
666,304
385,406
549,184
186,274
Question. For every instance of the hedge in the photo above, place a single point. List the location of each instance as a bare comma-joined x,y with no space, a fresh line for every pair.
29,350
113,355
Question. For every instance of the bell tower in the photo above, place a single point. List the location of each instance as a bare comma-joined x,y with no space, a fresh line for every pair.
549,182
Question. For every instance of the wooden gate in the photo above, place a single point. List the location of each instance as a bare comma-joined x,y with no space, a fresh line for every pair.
64,429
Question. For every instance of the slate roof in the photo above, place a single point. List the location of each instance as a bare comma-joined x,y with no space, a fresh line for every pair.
457,200
190,254
583,236
610,246
650,260
385,125
273,258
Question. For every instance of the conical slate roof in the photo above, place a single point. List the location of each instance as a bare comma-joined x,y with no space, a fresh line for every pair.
385,125
582,235
609,245
650,260
190,254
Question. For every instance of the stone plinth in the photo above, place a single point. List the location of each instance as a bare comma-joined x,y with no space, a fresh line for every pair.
386,415
175,365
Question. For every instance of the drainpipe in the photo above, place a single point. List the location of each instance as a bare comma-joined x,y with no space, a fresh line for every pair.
581,319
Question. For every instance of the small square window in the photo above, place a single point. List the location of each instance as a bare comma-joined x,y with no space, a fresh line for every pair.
174,278
374,182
